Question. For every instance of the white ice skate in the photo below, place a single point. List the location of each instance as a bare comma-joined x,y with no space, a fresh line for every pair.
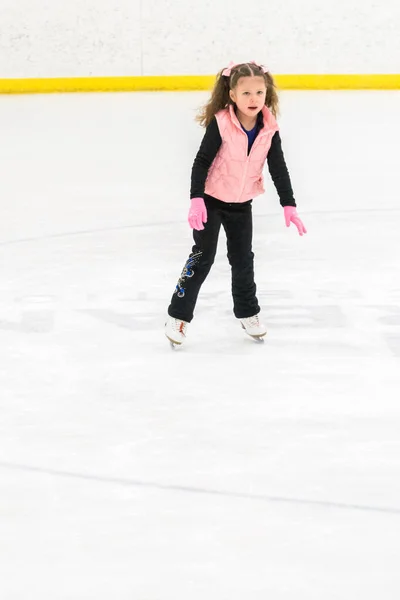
175,330
253,327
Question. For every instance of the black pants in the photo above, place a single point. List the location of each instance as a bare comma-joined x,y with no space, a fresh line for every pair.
237,221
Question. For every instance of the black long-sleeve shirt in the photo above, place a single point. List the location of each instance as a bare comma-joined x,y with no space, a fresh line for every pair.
208,151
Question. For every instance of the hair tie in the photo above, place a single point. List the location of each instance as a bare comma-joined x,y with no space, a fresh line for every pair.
227,72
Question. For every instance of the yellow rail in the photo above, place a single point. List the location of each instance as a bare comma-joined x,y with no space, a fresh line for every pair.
191,83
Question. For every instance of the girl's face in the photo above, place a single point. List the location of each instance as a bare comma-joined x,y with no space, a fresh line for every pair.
249,95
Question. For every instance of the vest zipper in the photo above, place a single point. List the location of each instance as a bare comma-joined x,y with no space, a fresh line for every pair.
247,164
243,179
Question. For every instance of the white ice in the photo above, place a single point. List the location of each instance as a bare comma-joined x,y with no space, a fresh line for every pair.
226,470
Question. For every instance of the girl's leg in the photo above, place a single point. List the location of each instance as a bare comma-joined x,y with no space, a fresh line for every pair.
237,220
197,266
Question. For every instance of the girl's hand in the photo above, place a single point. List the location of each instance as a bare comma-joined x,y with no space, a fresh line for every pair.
291,216
197,214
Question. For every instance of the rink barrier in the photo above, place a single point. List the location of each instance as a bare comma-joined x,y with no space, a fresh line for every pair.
183,83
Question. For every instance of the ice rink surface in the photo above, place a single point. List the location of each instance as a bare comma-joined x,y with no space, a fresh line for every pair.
225,470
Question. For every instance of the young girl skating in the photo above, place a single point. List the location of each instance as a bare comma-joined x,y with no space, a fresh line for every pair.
241,134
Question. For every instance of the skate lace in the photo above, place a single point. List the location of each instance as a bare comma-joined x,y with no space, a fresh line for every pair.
253,321
180,326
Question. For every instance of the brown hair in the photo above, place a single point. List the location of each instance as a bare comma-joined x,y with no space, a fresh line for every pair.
220,97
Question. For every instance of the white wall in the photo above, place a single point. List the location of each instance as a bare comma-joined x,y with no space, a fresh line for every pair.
47,38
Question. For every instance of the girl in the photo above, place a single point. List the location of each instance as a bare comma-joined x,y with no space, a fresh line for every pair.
241,134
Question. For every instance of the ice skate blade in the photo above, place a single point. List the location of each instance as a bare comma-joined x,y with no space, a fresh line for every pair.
173,344
258,338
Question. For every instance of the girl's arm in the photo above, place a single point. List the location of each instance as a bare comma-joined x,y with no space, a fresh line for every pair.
279,172
207,152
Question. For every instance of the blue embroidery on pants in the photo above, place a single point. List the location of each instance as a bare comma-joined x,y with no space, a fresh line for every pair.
187,272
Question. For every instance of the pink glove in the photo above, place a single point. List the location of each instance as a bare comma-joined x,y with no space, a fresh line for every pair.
197,214
291,215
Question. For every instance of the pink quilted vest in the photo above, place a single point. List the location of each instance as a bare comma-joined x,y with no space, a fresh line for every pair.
235,176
